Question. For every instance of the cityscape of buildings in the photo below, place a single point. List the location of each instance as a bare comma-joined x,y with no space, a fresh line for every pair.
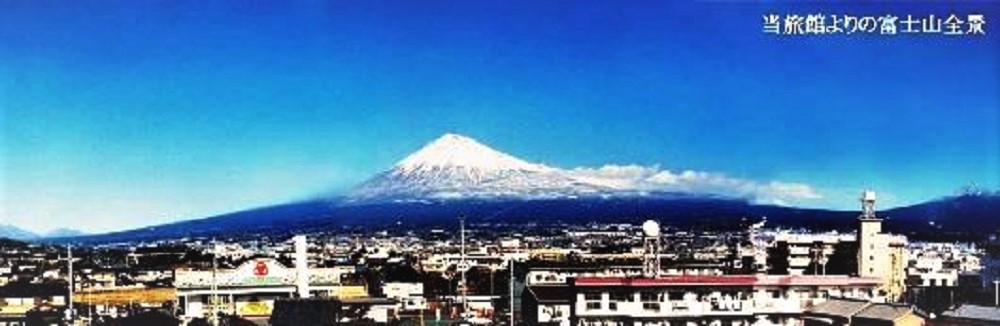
560,163
595,274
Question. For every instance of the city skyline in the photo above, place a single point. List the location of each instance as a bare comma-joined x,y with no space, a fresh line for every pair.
139,114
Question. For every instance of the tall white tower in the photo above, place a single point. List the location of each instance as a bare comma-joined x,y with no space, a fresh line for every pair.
869,228
301,265
651,254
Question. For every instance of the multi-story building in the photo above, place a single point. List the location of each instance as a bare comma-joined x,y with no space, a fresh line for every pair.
942,275
251,289
689,300
868,253
880,255
816,254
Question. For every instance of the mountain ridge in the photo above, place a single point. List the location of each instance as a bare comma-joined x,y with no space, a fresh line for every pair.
957,217
457,175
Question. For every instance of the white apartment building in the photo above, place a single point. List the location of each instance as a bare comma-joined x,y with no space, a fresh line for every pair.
410,295
689,300
805,249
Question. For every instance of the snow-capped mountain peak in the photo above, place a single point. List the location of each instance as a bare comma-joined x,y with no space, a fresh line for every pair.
453,150
455,166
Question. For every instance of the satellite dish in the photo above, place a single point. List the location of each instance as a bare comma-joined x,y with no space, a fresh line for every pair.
651,229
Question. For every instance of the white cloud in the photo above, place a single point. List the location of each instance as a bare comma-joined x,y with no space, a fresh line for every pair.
652,178
615,176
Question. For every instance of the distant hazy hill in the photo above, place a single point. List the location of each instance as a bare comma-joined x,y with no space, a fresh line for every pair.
970,214
265,220
63,233
964,213
16,233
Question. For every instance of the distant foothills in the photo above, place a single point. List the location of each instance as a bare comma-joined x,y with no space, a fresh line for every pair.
457,176
16,233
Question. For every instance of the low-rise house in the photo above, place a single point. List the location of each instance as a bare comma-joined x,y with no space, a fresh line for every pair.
18,300
410,295
844,312
547,305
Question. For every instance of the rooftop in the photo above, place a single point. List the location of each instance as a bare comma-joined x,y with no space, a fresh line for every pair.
551,293
839,308
729,280
884,312
975,312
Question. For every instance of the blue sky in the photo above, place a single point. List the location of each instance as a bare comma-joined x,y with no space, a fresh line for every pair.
124,114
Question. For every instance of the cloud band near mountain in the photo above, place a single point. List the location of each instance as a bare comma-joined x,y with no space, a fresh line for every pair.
653,178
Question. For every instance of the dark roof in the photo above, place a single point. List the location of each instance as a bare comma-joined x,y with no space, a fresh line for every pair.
313,311
551,293
366,300
974,312
405,273
886,312
25,290
846,308
728,280
150,318
839,308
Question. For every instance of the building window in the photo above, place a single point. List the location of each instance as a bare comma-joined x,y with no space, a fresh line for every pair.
621,297
649,296
592,296
650,306
593,306
613,306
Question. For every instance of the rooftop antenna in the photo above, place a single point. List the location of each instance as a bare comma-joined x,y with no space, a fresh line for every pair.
868,204
651,254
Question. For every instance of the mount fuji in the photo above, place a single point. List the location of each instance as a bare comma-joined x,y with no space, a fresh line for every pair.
455,175
455,167
459,167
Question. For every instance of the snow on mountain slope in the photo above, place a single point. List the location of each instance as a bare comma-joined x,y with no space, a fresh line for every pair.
453,150
455,166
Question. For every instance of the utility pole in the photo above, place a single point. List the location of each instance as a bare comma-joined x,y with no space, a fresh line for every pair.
214,318
511,290
463,266
69,262
996,290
